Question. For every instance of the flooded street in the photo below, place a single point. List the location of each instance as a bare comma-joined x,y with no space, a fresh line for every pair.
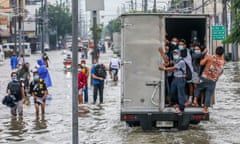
102,125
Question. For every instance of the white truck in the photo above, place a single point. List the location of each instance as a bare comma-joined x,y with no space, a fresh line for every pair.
143,85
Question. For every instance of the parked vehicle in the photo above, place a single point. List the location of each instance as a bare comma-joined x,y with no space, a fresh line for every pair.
9,47
46,47
143,85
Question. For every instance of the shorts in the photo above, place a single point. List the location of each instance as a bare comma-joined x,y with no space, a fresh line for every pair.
80,91
39,100
111,69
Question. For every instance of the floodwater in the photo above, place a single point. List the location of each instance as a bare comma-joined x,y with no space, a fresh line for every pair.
102,124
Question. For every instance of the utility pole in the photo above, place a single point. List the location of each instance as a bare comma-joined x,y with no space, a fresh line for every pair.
154,6
132,6
94,57
225,23
203,7
234,45
20,7
145,6
215,12
42,28
74,72
46,23
135,5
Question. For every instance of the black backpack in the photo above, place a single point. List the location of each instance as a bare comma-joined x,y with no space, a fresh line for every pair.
15,88
100,71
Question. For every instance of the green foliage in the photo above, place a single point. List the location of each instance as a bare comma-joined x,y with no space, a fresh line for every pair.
113,26
234,36
60,18
99,31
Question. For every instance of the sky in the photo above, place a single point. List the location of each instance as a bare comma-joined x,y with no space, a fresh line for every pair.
114,8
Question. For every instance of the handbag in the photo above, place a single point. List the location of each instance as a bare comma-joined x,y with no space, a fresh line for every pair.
9,101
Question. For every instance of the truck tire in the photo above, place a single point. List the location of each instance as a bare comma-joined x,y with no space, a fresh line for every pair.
183,127
146,125
133,123
194,122
183,122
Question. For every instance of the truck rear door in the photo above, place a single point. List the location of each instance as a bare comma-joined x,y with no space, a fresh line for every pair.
142,35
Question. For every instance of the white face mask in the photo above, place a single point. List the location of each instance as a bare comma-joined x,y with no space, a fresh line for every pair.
174,43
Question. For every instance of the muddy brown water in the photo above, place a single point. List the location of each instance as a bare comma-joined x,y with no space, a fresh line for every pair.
102,124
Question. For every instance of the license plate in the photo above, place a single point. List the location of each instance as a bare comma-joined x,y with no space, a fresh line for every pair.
164,124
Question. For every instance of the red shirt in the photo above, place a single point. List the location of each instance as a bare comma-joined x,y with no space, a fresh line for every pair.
82,80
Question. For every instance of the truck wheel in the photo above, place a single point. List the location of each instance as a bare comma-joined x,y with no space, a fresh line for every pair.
133,123
183,127
195,122
146,126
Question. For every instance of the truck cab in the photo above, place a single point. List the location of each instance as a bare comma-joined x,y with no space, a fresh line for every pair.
143,85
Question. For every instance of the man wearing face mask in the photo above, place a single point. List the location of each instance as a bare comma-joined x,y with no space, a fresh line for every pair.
177,91
15,89
173,44
38,90
186,55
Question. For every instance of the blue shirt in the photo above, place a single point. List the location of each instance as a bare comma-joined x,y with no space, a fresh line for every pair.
181,68
95,81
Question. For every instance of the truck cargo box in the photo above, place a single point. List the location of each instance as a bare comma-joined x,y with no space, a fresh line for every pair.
143,89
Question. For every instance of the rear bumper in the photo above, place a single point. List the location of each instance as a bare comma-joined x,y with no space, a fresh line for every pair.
163,116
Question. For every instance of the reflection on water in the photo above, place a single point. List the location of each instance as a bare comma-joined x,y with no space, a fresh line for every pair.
16,128
40,123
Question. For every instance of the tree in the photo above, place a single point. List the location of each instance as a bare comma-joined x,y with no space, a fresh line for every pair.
113,26
60,18
234,36
99,31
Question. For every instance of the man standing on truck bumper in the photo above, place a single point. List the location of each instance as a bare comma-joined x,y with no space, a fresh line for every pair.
214,66
177,90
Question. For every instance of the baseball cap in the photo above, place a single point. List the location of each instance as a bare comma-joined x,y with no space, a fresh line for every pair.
176,51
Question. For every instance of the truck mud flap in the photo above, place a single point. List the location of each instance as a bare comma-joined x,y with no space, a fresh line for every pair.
146,122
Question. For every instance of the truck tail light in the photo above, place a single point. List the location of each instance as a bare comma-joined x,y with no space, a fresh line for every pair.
200,117
127,117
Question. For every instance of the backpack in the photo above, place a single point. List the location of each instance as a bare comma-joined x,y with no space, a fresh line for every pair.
15,88
188,72
100,71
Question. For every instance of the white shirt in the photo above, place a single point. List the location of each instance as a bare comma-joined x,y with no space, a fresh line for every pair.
115,63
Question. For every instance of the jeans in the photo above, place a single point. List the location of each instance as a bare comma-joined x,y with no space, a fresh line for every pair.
208,86
17,108
177,91
96,88
86,94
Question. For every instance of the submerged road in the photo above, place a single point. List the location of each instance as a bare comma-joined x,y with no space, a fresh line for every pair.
102,124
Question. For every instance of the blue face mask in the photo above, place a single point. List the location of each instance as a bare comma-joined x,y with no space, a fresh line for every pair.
36,77
180,47
197,51
14,79
175,57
